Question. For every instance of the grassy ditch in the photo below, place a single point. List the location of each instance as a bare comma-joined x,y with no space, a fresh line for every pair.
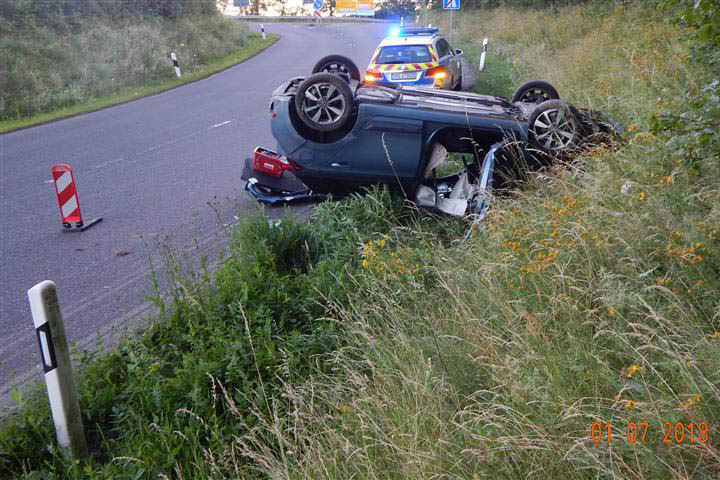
221,350
377,341
48,75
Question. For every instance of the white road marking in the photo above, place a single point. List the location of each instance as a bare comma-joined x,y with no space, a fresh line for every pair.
165,144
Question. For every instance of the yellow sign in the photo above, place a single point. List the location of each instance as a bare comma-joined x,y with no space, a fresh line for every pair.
345,6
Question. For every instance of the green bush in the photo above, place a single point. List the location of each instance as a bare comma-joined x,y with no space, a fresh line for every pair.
44,68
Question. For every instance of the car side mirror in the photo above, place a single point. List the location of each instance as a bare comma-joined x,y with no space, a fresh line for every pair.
458,51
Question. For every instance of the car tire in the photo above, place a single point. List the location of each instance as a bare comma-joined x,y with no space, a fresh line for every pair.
535,91
555,127
458,84
324,102
338,65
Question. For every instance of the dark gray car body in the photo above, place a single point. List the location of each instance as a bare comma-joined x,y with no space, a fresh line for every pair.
390,134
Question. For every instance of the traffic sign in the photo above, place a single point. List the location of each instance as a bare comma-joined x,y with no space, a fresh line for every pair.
318,4
451,4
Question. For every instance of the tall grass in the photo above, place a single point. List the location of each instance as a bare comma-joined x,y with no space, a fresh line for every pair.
44,69
590,296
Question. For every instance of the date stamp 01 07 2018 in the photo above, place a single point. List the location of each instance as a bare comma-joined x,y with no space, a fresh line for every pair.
673,433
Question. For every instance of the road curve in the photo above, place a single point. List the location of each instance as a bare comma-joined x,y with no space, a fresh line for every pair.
150,168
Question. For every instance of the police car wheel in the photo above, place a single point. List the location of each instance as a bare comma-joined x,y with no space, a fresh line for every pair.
458,84
535,91
339,65
324,102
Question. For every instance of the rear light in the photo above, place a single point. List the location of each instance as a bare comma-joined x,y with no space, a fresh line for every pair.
438,73
290,165
267,161
372,76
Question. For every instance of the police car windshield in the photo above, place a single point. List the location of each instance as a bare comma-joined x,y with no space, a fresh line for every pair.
404,54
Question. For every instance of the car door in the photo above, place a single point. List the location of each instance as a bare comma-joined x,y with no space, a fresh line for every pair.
386,147
448,60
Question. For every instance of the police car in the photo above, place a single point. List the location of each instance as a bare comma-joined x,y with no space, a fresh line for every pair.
416,56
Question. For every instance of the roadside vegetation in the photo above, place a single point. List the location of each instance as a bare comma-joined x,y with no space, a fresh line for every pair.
62,58
375,340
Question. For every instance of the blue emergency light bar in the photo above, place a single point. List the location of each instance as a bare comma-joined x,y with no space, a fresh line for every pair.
417,31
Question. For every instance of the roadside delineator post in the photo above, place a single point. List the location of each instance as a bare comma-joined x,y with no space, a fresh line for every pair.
262,29
58,369
176,65
68,201
482,53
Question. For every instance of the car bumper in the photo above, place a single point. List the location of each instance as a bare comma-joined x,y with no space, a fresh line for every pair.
276,190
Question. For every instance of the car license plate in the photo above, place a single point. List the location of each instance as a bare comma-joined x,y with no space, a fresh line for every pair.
404,76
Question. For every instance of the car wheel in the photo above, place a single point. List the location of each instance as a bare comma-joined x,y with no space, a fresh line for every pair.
458,84
554,127
535,91
339,65
324,102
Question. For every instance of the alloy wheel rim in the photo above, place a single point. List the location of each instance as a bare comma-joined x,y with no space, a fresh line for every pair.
335,67
535,95
554,129
323,103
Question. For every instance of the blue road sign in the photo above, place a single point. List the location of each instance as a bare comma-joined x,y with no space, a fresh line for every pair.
241,3
318,4
451,4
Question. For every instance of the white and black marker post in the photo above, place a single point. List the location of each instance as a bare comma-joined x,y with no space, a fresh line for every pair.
482,54
174,59
58,370
262,29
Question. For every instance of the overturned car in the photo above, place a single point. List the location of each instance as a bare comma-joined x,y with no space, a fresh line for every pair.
336,135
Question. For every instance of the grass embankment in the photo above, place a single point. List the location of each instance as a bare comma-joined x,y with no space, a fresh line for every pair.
49,74
377,342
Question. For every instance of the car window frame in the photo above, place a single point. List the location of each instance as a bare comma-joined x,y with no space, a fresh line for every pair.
446,45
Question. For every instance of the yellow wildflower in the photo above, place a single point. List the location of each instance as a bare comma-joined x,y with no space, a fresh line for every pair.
641,195
715,335
630,404
611,312
691,402
631,370
632,127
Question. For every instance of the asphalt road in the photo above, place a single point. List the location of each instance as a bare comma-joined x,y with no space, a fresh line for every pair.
150,168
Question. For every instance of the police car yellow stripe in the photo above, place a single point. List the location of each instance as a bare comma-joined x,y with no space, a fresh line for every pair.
396,67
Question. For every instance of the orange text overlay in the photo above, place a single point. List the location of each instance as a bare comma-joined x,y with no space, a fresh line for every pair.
641,432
